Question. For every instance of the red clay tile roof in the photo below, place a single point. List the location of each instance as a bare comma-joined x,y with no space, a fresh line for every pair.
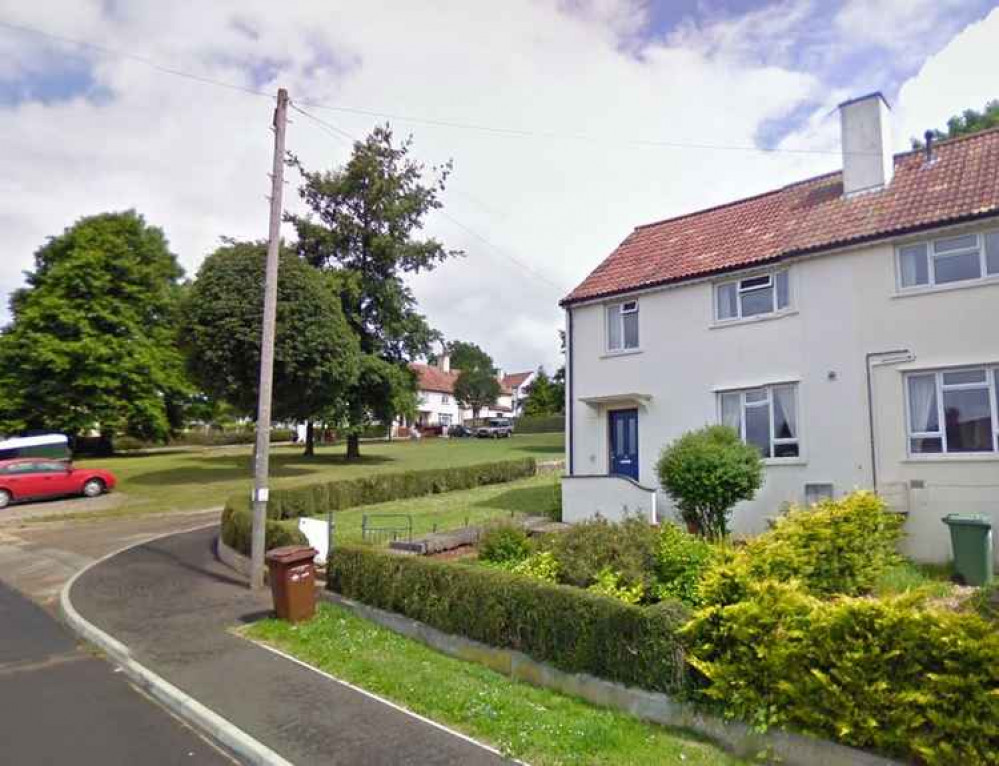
962,183
516,379
431,378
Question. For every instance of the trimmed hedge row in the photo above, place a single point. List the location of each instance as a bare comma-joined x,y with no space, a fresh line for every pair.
574,630
237,531
540,424
314,499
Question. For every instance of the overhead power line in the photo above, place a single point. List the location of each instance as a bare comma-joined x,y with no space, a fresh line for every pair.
420,120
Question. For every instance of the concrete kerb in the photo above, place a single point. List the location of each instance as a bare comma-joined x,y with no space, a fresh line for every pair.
207,721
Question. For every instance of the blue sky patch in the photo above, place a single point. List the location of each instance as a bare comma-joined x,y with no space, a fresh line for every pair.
62,80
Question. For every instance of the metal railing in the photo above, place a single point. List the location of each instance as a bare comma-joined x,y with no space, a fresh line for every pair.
386,527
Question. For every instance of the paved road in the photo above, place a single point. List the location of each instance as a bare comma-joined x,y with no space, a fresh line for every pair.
60,705
174,605
38,559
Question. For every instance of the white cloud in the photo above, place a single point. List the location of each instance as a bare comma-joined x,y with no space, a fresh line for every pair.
573,73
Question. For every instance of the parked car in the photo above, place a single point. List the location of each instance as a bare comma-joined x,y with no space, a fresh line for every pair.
52,446
495,428
460,432
38,478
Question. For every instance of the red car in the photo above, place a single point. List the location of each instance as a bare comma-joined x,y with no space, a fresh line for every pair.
36,478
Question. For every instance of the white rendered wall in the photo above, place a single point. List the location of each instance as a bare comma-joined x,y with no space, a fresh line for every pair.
611,497
845,306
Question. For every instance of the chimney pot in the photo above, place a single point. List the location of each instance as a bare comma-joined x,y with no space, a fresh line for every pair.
868,162
928,136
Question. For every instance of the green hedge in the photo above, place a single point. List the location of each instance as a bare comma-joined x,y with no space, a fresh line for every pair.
889,674
570,628
540,424
315,499
237,531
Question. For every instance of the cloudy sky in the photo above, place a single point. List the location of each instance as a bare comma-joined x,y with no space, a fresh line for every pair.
568,122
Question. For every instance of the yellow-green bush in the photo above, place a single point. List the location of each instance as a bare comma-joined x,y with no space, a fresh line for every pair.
885,674
835,547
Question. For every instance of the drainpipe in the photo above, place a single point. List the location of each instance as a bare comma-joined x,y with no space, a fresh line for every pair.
569,381
870,402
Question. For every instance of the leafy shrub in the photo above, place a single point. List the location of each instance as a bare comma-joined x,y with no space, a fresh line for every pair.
237,531
881,674
681,560
985,601
609,584
707,472
539,566
504,544
576,631
315,499
627,548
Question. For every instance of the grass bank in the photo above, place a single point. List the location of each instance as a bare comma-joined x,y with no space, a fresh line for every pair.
525,722
204,478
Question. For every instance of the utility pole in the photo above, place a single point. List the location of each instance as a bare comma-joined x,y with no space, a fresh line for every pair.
261,465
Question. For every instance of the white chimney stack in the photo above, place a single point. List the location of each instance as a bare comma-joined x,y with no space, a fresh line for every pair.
868,162
445,362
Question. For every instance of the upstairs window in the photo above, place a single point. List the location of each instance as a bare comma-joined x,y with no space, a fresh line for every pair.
953,411
765,417
445,399
753,296
622,326
951,259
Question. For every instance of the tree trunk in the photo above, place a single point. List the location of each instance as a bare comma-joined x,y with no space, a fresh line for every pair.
310,438
353,446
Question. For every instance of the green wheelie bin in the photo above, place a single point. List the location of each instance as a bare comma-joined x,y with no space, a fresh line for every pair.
971,539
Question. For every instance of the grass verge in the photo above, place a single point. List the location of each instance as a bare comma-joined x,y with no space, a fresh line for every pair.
453,510
522,721
198,478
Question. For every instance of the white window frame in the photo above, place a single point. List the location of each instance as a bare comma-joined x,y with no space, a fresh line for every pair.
618,311
740,290
990,384
769,402
445,399
932,255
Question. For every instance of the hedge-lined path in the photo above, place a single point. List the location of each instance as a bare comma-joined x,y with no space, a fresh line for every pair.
173,604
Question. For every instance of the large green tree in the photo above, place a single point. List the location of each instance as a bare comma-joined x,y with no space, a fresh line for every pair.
544,396
467,356
969,121
365,220
92,344
476,388
316,357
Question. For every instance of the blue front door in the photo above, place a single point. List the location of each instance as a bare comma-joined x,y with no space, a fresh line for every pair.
624,442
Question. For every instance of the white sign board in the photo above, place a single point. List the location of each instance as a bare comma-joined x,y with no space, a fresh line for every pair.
317,531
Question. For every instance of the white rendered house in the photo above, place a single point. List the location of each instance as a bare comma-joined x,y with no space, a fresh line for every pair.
519,386
437,405
847,325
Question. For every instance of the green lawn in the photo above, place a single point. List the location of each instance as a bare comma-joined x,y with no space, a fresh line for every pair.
526,722
452,510
203,478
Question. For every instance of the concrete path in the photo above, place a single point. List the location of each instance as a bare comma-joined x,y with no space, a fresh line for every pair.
173,604
63,705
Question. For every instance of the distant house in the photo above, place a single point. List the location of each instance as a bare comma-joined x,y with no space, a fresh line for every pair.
846,325
437,405
519,384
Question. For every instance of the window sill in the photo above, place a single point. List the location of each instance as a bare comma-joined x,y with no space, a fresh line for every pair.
622,352
720,323
969,284
769,461
957,457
